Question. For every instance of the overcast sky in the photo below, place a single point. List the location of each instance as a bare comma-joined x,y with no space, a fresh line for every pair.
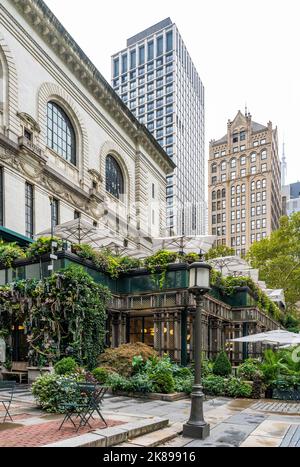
245,52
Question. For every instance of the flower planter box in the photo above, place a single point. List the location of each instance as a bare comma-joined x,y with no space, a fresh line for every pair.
153,396
35,372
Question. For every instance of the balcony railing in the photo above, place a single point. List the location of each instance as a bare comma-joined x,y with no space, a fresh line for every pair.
27,145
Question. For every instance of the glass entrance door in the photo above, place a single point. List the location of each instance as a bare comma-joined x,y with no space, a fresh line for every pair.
142,330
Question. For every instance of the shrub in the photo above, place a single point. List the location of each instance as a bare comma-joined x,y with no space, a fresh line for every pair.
65,366
163,382
118,382
234,387
42,246
9,252
101,375
120,359
184,384
222,366
53,391
214,385
249,370
141,383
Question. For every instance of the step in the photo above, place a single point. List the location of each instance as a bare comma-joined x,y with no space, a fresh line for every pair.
156,438
116,435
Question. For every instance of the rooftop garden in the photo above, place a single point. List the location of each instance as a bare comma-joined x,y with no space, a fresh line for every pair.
116,266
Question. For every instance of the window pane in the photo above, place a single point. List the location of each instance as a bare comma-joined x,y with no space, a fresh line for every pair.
60,133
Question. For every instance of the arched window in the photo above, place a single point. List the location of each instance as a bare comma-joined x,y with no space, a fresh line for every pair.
223,193
2,93
114,177
219,194
60,133
214,195
214,168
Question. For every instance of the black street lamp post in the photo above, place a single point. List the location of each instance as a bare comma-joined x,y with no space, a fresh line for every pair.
199,285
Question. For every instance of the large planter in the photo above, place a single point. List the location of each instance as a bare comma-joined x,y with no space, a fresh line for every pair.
35,372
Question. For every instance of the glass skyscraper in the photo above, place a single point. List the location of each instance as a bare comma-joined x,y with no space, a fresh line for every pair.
157,79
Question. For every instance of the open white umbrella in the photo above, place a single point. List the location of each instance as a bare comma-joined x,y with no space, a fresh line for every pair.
79,231
272,337
186,244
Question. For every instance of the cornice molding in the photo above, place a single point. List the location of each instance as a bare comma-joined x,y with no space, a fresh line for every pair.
40,17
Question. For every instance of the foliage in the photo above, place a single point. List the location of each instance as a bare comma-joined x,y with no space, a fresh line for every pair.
65,310
236,388
222,365
120,359
219,251
189,258
104,259
231,387
250,370
101,375
214,385
158,265
227,285
9,252
160,372
278,366
119,383
207,368
65,366
42,246
278,259
53,391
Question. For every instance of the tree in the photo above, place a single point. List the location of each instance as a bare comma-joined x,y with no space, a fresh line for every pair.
278,259
219,252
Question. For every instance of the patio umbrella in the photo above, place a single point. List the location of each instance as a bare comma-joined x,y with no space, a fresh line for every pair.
234,266
272,337
185,244
79,231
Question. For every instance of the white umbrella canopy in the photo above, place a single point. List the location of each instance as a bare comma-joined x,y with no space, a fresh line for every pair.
186,244
272,337
79,231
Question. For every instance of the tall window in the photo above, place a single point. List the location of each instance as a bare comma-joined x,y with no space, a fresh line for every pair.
1,197
29,210
132,59
116,67
114,178
142,55
169,41
159,46
60,133
55,212
150,51
124,64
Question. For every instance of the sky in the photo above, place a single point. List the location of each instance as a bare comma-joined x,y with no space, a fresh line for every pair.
246,52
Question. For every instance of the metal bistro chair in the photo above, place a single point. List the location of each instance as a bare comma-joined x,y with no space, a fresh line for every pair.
7,389
84,411
95,404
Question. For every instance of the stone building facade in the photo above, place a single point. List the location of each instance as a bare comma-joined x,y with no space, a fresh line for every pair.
65,134
244,184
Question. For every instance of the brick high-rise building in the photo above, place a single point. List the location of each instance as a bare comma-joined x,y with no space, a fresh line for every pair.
244,184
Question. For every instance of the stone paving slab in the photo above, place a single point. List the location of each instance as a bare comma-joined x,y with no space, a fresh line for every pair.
225,434
261,442
272,429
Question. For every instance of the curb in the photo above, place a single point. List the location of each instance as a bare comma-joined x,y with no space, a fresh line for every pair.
112,436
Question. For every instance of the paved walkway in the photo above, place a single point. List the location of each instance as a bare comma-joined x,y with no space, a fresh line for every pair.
234,423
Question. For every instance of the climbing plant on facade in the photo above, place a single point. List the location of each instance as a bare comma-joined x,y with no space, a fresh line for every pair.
65,311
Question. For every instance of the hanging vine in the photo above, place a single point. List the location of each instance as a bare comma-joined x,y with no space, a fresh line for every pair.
64,311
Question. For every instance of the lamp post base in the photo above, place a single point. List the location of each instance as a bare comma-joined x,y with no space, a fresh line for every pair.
196,431
196,427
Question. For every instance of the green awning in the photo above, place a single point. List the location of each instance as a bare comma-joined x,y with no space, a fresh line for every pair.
11,236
